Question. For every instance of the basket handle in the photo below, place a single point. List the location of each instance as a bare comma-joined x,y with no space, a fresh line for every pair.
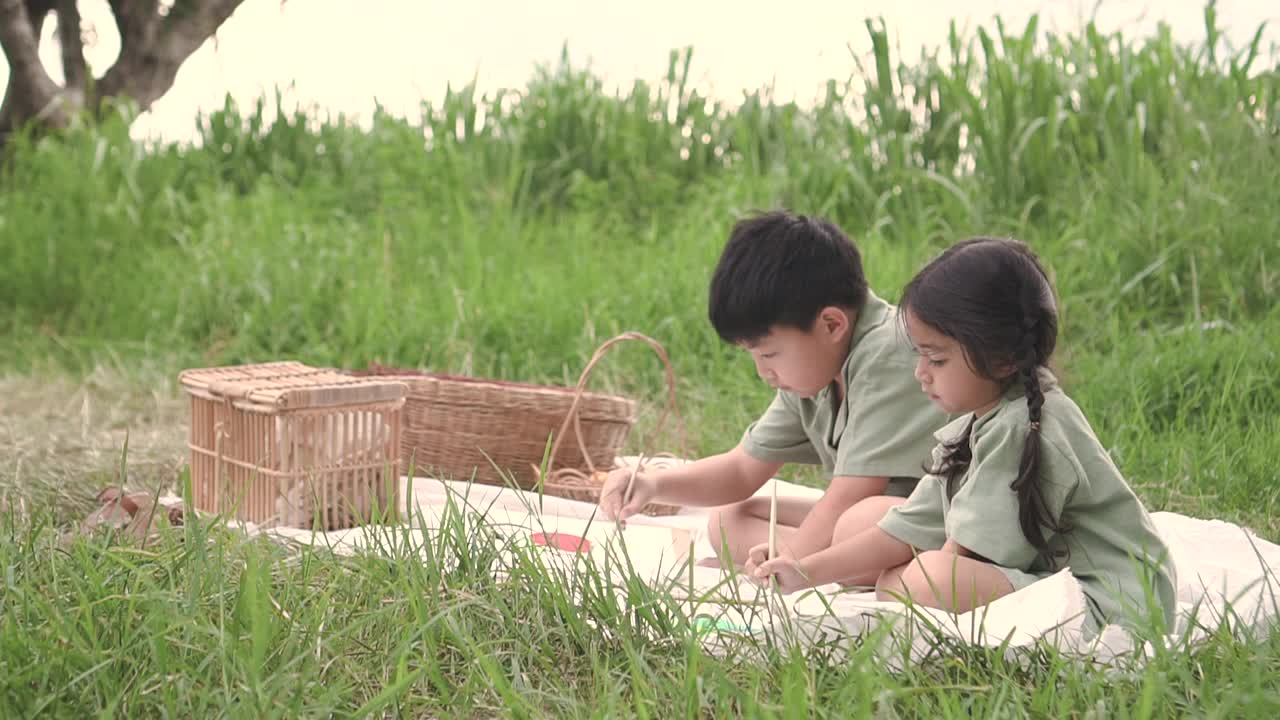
671,407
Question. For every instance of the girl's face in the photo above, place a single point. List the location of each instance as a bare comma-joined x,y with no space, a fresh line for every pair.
945,373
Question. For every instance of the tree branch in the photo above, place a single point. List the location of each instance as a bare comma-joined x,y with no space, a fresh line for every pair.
191,23
72,44
153,45
136,21
149,62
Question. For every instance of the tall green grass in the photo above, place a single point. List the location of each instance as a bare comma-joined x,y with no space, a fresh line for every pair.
508,234
499,222
471,624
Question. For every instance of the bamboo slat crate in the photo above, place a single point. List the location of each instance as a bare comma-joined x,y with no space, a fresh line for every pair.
286,444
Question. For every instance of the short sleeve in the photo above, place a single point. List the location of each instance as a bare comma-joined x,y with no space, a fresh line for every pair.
890,425
779,436
918,522
983,516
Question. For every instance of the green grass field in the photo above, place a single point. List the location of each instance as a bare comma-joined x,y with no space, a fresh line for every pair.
507,236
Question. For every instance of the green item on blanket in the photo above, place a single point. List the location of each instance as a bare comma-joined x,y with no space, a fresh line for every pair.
703,624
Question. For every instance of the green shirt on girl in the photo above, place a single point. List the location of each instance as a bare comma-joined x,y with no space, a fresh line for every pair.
1111,547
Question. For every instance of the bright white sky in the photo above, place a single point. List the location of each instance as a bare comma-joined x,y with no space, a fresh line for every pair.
399,51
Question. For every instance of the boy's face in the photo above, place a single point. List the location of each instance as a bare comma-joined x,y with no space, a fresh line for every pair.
945,373
803,361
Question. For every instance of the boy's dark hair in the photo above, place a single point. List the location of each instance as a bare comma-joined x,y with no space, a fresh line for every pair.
994,298
781,269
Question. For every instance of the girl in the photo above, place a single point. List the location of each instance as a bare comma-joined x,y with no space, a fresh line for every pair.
1019,487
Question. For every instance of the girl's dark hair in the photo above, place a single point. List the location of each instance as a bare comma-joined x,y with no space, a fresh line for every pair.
994,298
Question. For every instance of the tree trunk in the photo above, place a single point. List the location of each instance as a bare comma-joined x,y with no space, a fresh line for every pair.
73,65
31,93
154,42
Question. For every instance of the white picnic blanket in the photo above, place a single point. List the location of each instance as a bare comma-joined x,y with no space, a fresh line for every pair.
1224,571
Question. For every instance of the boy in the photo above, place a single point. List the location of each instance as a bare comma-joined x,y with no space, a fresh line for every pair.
790,290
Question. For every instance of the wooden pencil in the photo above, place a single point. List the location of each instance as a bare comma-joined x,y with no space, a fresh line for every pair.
773,523
631,481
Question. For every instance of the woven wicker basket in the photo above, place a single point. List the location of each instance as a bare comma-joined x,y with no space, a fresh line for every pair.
571,482
460,427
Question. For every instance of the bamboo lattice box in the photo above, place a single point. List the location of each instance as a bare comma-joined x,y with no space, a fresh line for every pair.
286,444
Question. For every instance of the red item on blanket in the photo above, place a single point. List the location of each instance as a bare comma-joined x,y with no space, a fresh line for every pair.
562,541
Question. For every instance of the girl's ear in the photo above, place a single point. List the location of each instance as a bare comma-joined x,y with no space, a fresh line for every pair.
1006,369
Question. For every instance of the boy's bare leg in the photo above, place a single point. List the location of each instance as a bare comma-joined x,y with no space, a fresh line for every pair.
863,515
739,527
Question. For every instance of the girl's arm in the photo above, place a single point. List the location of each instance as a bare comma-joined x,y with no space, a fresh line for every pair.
815,531
871,550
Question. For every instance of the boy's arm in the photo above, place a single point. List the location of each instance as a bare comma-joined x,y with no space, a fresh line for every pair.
722,479
815,532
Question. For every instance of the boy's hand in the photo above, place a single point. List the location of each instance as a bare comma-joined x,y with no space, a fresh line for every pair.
615,487
785,569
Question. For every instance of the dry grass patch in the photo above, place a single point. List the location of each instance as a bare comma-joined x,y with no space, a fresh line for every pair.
62,436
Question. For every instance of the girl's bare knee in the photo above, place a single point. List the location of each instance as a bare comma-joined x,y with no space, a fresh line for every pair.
889,584
924,579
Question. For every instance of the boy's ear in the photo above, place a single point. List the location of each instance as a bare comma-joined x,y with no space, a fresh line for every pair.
832,322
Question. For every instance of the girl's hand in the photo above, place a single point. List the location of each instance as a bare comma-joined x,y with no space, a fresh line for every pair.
613,494
785,569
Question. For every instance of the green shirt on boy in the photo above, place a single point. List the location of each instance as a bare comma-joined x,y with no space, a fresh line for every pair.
1112,546
883,427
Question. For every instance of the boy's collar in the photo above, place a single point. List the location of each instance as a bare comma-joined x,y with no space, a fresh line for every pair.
870,315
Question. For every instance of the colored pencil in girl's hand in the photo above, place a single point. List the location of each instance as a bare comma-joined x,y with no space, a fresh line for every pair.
773,531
